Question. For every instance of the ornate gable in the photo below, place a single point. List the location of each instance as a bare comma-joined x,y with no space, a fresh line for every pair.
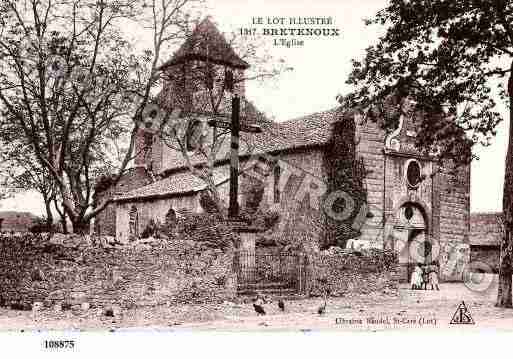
402,140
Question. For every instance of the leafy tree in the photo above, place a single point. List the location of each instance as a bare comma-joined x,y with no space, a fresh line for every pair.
72,84
451,58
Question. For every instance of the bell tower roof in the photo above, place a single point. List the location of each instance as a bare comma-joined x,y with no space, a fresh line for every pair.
207,43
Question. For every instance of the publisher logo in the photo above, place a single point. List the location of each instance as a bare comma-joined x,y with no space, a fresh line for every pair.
462,315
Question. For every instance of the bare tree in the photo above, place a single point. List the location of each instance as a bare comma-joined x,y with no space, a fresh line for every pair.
71,80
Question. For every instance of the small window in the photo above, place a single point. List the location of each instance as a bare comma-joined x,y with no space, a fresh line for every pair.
209,76
277,173
194,135
133,224
148,139
183,82
228,80
413,173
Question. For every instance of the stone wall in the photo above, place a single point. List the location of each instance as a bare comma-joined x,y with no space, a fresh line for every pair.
485,258
301,186
83,269
105,222
345,272
369,139
150,210
451,220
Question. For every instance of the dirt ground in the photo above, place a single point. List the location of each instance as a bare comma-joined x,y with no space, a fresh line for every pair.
419,310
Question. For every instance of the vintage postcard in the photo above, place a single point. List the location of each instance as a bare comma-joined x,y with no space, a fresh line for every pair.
192,165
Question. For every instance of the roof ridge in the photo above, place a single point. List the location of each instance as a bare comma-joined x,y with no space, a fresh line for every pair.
302,117
486,213
206,42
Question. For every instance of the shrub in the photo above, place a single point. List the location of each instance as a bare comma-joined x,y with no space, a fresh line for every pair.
254,196
41,226
151,230
207,228
264,219
207,202
170,222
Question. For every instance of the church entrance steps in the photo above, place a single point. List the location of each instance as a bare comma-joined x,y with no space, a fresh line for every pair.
278,288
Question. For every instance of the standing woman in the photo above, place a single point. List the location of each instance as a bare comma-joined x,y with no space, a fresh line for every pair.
433,277
416,278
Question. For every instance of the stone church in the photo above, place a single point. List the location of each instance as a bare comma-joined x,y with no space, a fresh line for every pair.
311,165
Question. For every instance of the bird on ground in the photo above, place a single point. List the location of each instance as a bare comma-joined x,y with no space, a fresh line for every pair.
322,308
281,305
259,309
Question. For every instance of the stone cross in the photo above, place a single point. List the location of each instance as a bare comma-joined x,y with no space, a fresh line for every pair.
235,128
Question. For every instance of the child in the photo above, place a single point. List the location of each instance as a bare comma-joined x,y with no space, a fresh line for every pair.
425,276
433,278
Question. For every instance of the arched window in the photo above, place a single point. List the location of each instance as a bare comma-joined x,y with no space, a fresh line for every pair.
133,222
170,220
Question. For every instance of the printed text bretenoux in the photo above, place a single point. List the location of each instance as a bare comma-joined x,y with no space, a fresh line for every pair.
301,32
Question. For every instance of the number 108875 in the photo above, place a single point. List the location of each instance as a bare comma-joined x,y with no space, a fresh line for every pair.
59,344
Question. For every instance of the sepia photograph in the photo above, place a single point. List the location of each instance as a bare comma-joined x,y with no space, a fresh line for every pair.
206,166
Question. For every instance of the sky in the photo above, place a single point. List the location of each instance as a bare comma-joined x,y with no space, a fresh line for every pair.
320,68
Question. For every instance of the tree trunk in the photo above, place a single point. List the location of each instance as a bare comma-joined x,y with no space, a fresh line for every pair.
504,295
64,224
49,215
80,226
62,215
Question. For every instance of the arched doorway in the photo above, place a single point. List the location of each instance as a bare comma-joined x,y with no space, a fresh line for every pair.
412,240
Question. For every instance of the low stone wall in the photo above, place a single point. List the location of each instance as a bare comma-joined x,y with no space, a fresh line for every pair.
346,272
83,269
485,258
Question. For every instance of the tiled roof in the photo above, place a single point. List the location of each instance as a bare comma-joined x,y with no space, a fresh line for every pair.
179,183
313,129
485,229
207,43
310,130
